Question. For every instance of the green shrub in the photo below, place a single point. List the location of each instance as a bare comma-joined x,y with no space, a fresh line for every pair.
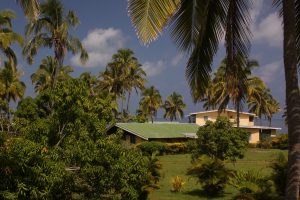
212,174
221,141
177,148
280,141
253,186
265,144
177,184
279,174
252,145
148,148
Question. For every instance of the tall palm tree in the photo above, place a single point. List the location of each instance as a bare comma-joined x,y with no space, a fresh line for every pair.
31,8
44,77
51,30
198,27
135,80
174,106
291,48
219,93
8,36
90,80
121,75
150,102
11,86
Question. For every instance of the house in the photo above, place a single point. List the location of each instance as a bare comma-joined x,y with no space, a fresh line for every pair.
246,122
163,132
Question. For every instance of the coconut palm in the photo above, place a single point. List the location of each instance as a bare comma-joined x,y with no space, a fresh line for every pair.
135,80
51,30
150,102
220,95
174,106
11,88
44,77
198,27
8,36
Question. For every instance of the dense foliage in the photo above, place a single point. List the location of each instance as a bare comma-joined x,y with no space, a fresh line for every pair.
220,140
62,151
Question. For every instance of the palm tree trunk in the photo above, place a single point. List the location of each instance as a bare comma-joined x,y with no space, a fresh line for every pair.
238,114
292,100
128,100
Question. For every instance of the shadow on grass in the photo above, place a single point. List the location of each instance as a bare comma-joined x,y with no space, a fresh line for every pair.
201,193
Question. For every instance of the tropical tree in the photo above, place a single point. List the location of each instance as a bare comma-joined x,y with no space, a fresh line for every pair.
91,81
121,75
135,80
291,44
11,87
174,106
8,36
44,77
150,102
51,30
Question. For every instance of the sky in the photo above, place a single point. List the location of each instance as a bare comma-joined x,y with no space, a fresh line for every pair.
105,27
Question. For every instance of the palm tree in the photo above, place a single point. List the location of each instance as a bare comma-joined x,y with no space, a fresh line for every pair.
291,43
44,77
136,80
151,101
90,80
198,27
8,36
121,75
11,86
51,30
31,8
174,106
219,93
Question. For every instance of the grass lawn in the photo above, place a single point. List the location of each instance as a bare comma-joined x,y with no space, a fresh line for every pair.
176,165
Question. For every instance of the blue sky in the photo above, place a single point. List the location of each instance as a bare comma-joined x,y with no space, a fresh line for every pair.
106,27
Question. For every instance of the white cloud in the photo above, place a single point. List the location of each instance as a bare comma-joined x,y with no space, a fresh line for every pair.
176,60
101,44
153,68
269,72
256,9
269,31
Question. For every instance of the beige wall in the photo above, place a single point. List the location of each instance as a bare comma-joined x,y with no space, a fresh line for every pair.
212,116
254,135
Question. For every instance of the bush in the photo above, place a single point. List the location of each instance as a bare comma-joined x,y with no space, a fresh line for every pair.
265,144
211,173
177,184
221,141
177,148
252,186
279,174
280,141
148,148
252,145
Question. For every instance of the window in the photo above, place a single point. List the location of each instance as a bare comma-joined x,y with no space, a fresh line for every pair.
132,139
205,118
251,118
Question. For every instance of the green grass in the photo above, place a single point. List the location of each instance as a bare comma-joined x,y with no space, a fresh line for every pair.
177,165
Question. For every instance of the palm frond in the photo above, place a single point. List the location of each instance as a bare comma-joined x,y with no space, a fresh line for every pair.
31,8
198,68
149,17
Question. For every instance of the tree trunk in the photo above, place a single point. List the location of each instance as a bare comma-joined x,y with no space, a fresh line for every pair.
128,100
292,100
238,115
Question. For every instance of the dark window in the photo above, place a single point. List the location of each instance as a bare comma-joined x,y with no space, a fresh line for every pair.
192,119
132,139
251,118
205,118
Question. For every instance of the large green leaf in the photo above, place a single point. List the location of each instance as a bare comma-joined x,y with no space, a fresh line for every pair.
149,17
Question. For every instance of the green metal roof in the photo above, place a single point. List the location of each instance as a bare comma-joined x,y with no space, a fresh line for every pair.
159,130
